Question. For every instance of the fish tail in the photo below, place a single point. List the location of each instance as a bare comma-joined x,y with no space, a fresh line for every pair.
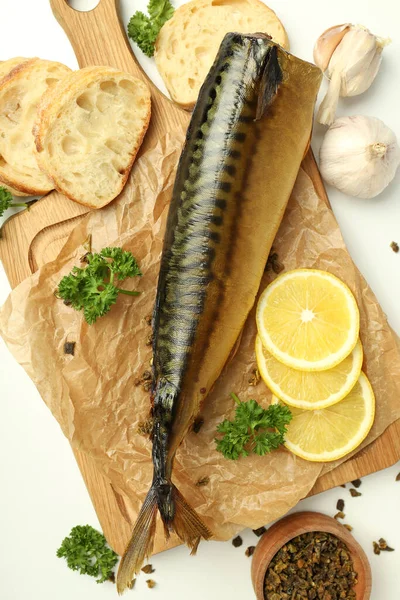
177,516
141,543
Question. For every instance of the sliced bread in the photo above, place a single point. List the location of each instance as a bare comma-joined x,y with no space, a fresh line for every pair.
188,43
20,92
8,65
88,130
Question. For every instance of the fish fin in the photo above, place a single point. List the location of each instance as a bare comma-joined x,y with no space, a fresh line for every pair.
271,78
141,544
186,522
177,515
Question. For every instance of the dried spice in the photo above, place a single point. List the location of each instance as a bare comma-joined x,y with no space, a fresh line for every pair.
150,583
343,485
250,551
312,566
339,515
398,477
377,550
145,427
203,481
357,483
348,527
237,541
260,531
354,493
69,348
340,505
131,585
254,379
145,380
149,340
198,424
395,247
273,263
148,569
148,320
383,545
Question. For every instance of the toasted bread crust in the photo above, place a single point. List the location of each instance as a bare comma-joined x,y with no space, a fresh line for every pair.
20,91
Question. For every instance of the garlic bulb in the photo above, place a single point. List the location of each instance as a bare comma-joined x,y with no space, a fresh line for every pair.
359,156
351,56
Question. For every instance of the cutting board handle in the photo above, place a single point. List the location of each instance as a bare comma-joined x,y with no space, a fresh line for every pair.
98,36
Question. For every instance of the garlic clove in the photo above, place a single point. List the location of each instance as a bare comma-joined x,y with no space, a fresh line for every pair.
327,44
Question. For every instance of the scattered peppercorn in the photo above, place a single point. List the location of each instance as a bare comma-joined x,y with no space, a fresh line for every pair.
150,583
254,378
149,342
203,481
348,527
198,424
339,515
145,427
69,348
354,493
148,569
383,545
237,541
148,319
343,485
377,550
357,483
340,505
395,247
273,263
260,531
250,551
398,477
314,566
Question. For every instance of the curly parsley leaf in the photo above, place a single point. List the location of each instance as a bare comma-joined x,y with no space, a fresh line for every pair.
254,429
86,551
93,289
7,200
144,29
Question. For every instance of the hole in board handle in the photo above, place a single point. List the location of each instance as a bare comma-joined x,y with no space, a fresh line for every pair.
83,5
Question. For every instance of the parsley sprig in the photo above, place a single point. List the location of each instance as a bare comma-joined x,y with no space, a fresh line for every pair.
93,289
254,429
7,201
144,29
86,551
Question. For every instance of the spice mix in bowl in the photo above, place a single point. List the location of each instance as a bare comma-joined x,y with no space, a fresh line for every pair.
310,556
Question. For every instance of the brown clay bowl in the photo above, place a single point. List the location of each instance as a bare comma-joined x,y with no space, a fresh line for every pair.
303,522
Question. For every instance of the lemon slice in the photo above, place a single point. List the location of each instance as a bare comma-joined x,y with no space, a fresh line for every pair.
309,390
308,320
328,434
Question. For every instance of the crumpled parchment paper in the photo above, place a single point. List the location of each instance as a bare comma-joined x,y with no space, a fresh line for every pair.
95,395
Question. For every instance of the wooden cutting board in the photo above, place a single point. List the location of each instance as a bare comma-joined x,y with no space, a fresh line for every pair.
34,237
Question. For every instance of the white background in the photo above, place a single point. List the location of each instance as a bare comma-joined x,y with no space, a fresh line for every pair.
41,492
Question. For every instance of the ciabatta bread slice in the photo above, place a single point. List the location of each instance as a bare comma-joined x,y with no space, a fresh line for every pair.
20,92
88,130
188,43
8,65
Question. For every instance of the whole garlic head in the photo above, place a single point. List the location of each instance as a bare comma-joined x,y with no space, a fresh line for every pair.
359,156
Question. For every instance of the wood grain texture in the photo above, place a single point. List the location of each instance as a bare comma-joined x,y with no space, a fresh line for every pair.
303,522
32,238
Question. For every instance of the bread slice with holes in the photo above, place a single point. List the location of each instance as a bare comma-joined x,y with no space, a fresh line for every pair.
188,43
5,67
20,92
88,131
8,65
